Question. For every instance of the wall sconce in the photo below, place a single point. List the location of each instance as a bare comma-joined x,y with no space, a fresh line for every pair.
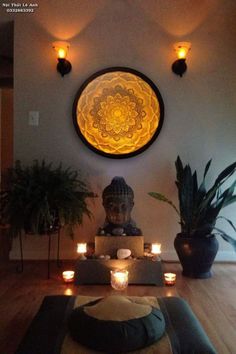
179,66
63,66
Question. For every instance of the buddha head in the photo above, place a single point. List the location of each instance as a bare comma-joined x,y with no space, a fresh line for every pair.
118,201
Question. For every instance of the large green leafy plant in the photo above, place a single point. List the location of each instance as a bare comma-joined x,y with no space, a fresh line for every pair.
42,198
199,208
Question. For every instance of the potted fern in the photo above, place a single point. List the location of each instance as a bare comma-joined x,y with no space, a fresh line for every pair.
42,198
199,209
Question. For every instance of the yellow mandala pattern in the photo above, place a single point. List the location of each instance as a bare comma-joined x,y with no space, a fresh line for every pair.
118,113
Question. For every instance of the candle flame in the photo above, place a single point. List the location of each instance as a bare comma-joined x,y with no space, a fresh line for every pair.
119,279
68,275
81,247
170,278
156,248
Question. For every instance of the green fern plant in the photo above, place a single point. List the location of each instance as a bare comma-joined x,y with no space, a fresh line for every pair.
199,208
42,198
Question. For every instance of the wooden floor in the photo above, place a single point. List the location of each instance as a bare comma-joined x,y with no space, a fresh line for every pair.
212,300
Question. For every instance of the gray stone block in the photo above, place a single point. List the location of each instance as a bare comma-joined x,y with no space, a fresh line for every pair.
141,271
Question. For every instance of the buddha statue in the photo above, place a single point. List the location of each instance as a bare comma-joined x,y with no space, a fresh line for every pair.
118,202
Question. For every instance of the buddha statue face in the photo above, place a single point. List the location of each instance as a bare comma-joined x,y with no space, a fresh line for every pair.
118,202
118,209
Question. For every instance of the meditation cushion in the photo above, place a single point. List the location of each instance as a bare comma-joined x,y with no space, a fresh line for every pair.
116,324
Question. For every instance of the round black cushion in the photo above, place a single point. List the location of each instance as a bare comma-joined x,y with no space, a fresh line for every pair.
112,336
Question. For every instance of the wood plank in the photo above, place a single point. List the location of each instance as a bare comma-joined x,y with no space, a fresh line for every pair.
212,300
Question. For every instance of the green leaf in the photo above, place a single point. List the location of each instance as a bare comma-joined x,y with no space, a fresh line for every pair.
40,196
207,168
229,221
162,198
179,169
230,201
227,238
226,173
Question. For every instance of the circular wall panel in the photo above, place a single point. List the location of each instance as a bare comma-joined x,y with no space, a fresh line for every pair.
118,112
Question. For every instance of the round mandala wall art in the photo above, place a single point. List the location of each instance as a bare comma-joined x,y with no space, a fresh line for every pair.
118,112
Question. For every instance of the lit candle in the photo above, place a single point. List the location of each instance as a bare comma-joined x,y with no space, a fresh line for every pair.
156,248
119,279
82,249
68,276
170,278
156,251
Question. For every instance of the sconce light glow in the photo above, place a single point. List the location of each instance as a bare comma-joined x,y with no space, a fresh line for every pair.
179,66
182,49
61,53
61,48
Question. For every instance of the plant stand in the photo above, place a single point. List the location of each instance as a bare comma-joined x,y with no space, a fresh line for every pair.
58,247
20,267
5,243
58,250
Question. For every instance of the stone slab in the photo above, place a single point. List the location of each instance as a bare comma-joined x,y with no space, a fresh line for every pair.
110,245
96,271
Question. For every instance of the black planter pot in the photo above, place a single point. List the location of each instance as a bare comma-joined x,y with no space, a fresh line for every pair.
196,255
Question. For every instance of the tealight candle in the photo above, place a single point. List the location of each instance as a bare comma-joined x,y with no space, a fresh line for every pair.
156,251
156,248
81,249
68,276
170,278
119,279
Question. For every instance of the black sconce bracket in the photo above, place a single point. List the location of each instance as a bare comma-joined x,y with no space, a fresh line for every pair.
63,66
179,67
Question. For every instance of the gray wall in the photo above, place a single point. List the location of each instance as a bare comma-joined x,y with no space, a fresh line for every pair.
200,108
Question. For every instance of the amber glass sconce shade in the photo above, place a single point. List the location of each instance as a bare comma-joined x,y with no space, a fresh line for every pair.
61,48
179,66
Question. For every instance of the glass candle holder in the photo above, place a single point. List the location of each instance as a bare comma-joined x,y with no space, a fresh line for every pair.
156,248
170,279
119,279
68,276
156,251
81,250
